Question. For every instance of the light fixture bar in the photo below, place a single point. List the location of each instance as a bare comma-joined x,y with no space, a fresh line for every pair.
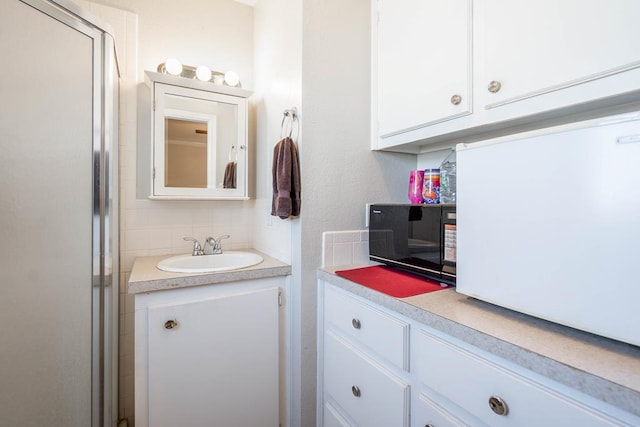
190,72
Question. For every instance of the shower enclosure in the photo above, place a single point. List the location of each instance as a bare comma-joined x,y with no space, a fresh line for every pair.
58,216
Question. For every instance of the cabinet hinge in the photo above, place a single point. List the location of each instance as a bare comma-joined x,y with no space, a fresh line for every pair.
153,174
280,298
154,105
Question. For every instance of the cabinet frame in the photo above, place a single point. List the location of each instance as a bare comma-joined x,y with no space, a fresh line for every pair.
151,153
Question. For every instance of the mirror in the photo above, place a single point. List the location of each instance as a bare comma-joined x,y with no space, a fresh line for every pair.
199,140
187,144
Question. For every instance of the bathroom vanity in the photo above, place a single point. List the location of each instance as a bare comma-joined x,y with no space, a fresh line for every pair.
208,346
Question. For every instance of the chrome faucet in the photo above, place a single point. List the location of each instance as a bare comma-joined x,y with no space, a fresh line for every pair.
197,249
214,246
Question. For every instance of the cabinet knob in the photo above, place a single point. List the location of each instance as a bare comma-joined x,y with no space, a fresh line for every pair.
456,99
356,323
170,324
494,86
355,390
428,425
498,405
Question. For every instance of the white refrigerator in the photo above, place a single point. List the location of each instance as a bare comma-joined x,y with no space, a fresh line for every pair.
549,224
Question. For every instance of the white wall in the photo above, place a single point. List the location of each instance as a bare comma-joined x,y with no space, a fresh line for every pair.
339,172
278,74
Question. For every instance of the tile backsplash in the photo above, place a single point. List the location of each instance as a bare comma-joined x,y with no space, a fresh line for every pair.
345,248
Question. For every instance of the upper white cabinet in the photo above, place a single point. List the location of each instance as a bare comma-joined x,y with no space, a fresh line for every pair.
446,70
423,63
530,49
198,139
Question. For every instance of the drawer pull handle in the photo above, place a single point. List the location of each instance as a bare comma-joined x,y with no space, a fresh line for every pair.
355,390
356,323
498,405
494,86
170,324
429,425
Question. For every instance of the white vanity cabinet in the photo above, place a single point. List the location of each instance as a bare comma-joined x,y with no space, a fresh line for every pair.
444,70
364,380
451,382
209,355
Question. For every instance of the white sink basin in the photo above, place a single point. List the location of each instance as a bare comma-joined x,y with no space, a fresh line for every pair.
229,260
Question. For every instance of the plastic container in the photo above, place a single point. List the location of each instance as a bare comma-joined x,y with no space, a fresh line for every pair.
448,178
415,186
431,186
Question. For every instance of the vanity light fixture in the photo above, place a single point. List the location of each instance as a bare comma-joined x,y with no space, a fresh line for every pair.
203,73
231,78
174,67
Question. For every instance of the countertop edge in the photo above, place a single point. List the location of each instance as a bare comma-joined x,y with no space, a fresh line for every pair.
145,277
591,384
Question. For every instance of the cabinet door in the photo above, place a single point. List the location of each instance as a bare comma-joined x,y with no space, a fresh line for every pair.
423,63
217,364
537,47
197,135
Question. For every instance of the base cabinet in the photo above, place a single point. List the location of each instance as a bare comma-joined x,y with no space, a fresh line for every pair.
208,356
447,381
364,381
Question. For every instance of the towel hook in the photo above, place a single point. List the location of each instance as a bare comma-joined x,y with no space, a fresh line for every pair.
292,115
233,154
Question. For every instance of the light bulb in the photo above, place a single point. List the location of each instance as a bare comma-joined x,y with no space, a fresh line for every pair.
203,73
231,78
173,66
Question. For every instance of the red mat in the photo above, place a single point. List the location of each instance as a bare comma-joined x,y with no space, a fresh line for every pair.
392,282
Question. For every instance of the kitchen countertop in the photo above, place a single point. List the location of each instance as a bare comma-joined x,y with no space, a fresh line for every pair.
146,277
600,367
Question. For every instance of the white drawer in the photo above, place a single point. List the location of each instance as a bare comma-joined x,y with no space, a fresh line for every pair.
386,335
364,390
426,412
470,381
332,418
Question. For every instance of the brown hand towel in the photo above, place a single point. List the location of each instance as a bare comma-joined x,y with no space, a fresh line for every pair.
286,179
229,180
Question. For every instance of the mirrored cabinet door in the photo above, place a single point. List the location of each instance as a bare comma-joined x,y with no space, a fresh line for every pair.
199,148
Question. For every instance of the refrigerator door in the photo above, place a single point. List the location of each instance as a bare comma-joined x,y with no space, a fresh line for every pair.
548,224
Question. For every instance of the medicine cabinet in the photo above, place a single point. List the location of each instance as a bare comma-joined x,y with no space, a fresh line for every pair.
198,140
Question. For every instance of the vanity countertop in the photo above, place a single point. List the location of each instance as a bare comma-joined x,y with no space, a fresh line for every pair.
146,277
603,368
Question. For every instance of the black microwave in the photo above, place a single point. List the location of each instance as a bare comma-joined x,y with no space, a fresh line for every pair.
418,238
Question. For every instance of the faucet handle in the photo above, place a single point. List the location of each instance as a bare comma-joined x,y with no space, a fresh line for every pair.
215,244
197,249
225,236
